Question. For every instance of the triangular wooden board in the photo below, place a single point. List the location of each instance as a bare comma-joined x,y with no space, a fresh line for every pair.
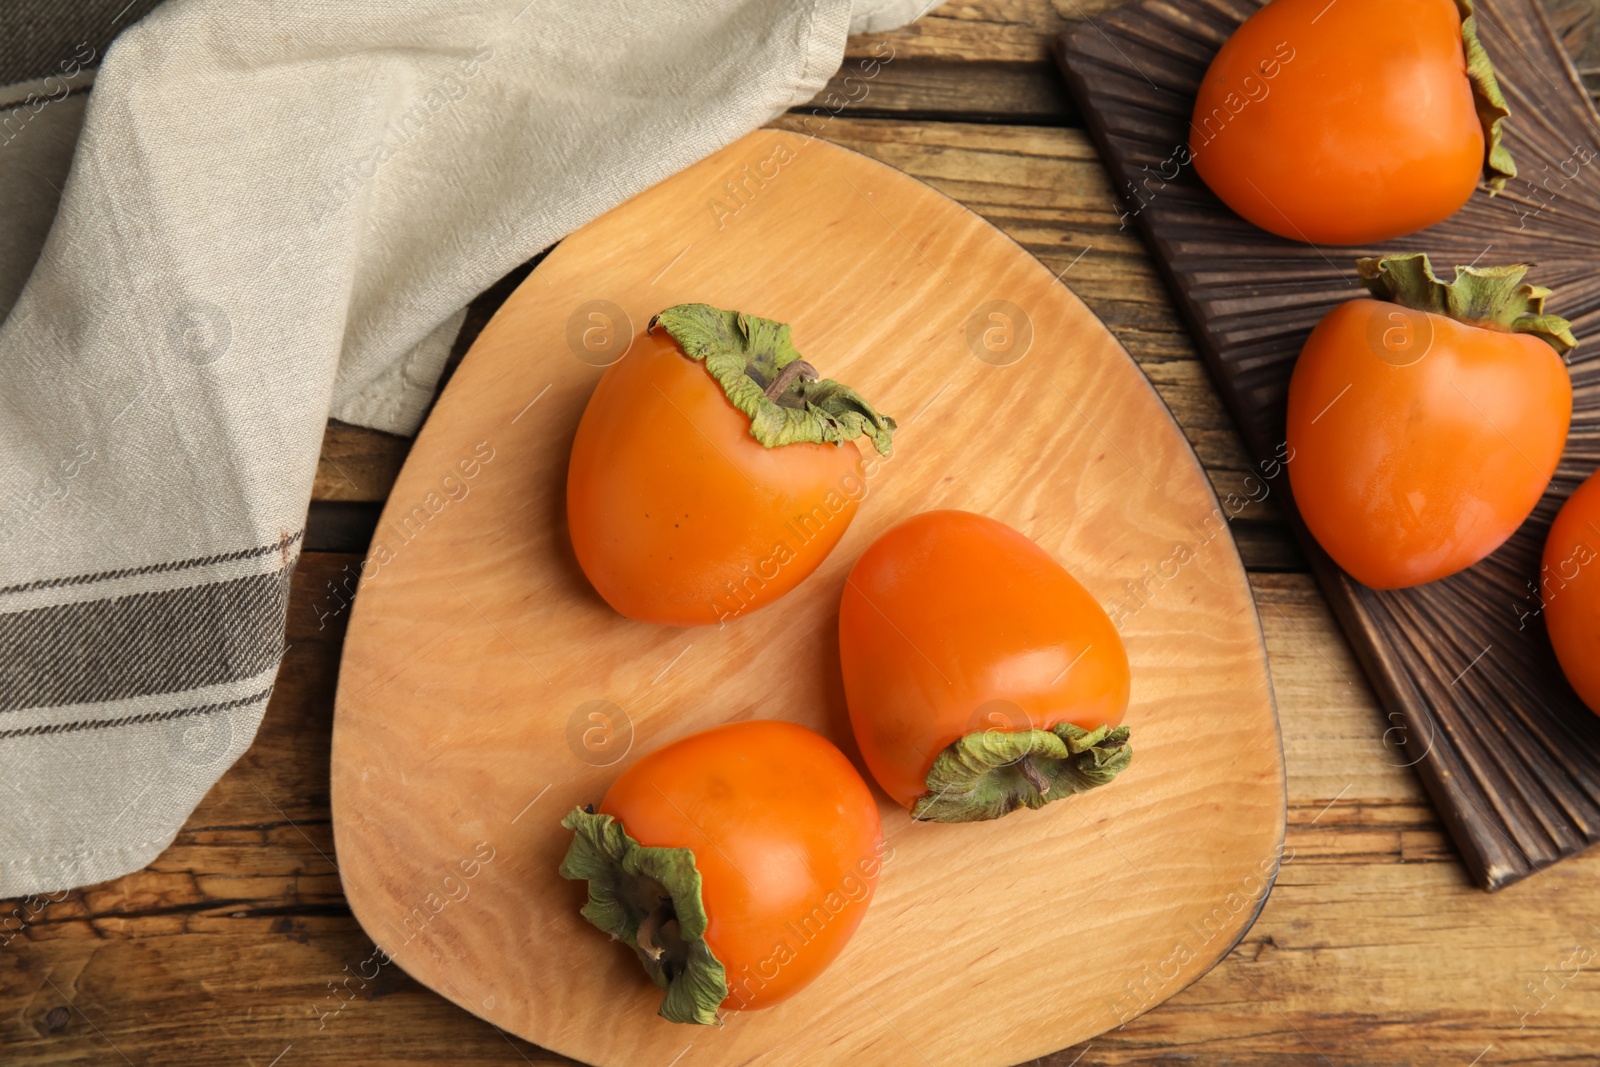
478,657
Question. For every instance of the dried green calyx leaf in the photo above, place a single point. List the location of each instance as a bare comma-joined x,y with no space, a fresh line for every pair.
990,773
763,376
1479,296
649,899
1498,166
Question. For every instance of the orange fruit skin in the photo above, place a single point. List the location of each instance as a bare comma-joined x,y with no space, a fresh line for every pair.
1408,473
677,514
785,835
953,622
1569,588
1341,124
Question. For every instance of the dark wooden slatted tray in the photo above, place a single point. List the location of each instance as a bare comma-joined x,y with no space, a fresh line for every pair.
1463,666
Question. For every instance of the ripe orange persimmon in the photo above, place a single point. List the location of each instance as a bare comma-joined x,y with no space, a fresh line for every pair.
712,471
980,676
1426,424
1351,122
1569,590
736,862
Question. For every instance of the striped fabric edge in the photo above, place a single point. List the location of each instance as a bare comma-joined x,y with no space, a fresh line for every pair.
280,545
65,664
130,720
36,92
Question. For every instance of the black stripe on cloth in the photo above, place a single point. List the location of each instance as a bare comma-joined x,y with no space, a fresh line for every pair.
142,644
129,720
24,102
158,568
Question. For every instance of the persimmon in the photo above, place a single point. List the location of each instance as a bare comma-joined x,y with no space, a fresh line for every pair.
713,470
736,863
1569,590
1352,122
1426,421
980,676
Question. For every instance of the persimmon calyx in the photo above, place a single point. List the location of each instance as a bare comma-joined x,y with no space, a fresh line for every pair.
1498,166
649,899
1492,297
748,356
990,773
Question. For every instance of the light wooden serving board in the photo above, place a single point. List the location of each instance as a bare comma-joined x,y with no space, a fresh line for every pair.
486,690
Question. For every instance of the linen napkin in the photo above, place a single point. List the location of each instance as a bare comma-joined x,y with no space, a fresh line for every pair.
276,212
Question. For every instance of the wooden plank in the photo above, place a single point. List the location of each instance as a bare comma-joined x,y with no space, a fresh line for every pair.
358,464
911,89
1011,31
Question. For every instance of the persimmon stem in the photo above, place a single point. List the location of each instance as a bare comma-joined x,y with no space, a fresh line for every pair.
754,361
650,925
1485,298
1031,773
798,369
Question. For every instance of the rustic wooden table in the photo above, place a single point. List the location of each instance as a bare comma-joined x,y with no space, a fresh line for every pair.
236,945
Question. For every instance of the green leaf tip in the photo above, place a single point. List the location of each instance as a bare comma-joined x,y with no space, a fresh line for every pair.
1498,166
748,356
1492,296
649,898
991,773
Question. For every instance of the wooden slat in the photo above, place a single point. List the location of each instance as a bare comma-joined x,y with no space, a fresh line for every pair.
911,89
358,464
1007,31
1011,31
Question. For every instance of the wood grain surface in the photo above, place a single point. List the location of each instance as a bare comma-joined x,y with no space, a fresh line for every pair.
1463,665
486,690
237,947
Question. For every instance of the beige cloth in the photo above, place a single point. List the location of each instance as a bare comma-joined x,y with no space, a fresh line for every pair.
276,213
